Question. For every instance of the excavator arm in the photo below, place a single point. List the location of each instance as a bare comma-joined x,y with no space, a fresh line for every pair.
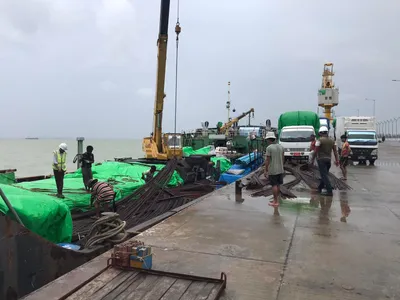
227,125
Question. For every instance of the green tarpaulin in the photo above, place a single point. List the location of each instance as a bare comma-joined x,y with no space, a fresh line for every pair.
7,178
224,162
45,215
124,177
298,118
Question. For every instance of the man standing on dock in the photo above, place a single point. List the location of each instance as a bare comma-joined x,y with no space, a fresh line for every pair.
323,152
87,160
60,167
274,166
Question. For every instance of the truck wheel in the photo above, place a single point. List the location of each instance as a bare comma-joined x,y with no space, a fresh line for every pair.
372,162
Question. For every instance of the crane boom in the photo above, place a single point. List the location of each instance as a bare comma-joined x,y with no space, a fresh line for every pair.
161,69
227,125
159,146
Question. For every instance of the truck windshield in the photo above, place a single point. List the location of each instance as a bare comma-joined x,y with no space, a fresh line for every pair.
296,136
325,122
362,138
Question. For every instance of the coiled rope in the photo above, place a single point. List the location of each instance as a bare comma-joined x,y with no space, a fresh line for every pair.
107,229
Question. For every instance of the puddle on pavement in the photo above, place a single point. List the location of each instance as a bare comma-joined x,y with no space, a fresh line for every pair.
316,202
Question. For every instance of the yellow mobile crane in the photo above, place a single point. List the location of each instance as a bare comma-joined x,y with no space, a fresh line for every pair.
159,146
227,125
328,95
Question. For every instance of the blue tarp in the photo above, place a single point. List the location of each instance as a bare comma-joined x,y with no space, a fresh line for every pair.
246,159
247,163
229,178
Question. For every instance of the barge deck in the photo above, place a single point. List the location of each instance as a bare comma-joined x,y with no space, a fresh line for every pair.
311,250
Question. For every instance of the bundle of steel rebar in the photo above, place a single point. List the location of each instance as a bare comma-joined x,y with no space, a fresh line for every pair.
150,200
306,173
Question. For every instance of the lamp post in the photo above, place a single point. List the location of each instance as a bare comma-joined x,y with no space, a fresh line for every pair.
396,119
387,127
392,122
384,127
367,99
378,127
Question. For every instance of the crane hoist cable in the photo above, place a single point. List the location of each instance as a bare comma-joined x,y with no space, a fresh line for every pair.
177,31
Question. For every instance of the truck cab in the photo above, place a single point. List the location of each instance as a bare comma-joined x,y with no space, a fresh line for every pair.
296,141
363,144
361,135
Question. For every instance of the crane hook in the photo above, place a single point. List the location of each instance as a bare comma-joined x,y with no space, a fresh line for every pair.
177,30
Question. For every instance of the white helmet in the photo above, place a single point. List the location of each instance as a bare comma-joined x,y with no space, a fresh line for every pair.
270,135
63,146
323,129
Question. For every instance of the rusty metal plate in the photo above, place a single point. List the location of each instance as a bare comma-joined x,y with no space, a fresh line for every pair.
123,283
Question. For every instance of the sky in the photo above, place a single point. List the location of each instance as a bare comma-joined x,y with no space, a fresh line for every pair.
87,68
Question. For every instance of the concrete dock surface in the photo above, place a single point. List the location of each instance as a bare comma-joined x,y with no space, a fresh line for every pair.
341,247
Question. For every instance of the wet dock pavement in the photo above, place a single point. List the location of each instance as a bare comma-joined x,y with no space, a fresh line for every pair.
341,247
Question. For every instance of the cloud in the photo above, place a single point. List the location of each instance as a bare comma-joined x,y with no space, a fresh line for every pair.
108,86
69,54
146,92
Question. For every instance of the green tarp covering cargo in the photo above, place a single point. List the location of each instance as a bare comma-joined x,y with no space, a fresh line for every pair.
298,118
124,177
45,215
50,217
7,177
224,162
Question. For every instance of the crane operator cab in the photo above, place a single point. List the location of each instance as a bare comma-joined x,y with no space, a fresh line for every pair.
171,147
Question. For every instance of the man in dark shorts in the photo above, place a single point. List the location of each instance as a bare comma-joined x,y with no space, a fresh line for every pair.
274,166
86,161
323,152
344,156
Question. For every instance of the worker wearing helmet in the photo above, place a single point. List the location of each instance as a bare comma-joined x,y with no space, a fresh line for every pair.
60,167
102,193
323,152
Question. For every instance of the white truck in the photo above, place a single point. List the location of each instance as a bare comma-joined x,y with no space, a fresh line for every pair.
296,141
361,135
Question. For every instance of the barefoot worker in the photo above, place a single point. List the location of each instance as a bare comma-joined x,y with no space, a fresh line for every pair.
274,166
344,156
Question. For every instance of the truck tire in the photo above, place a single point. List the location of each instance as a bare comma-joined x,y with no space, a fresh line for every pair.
372,162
